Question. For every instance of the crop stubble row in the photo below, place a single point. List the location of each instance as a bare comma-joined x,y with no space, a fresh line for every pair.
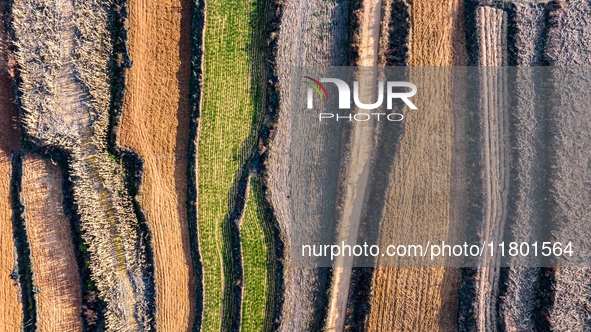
65,86
567,44
312,34
519,302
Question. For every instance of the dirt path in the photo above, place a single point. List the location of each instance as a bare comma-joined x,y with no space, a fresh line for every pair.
155,124
356,185
423,299
370,32
10,310
358,168
58,295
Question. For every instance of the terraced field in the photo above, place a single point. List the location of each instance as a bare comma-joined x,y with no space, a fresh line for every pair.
151,187
65,104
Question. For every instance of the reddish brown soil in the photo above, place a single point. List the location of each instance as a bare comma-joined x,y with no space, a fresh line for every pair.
155,124
58,295
10,308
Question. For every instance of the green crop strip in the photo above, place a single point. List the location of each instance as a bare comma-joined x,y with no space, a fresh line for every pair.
256,251
231,116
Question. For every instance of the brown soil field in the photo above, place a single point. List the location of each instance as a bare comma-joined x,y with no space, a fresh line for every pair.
155,124
423,299
58,295
11,309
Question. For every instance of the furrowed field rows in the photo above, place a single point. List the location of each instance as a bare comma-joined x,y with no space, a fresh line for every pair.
11,314
231,115
155,124
545,161
493,174
257,258
423,299
56,279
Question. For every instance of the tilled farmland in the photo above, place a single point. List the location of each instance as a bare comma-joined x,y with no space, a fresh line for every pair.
147,164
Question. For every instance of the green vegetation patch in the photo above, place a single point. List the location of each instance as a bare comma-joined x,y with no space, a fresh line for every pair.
256,254
231,115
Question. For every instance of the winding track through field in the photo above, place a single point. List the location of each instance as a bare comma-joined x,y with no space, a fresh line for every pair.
358,168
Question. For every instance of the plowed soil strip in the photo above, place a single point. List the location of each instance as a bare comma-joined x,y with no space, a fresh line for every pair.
58,292
155,124
10,310
423,299
494,159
